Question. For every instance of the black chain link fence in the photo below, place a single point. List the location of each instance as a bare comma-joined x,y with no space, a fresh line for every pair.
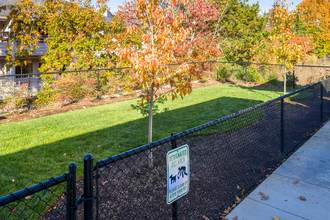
33,202
228,158
79,84
52,199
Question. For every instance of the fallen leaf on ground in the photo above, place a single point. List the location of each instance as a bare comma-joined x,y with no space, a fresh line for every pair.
98,146
13,180
263,196
276,218
28,197
74,116
303,198
296,182
226,211
296,158
64,154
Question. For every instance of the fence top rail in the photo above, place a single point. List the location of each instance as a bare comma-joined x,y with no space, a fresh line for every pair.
172,64
192,130
60,72
32,190
301,65
135,151
112,159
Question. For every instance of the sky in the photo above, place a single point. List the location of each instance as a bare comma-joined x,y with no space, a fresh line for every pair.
265,5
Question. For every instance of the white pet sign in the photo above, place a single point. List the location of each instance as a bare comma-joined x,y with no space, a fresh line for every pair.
178,173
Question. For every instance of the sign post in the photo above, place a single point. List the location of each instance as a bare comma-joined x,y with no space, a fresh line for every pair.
178,173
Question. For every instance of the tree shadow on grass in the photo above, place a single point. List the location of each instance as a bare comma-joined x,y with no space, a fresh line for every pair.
35,165
244,149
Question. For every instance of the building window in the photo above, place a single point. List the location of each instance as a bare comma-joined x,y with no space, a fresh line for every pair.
21,71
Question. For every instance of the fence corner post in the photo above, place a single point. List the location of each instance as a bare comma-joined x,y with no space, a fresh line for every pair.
29,84
282,126
98,80
72,193
88,187
293,80
175,203
246,75
321,103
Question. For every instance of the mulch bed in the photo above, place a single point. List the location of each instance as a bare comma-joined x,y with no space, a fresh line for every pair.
223,166
33,113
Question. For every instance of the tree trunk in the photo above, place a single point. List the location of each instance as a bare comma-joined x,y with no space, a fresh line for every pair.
150,159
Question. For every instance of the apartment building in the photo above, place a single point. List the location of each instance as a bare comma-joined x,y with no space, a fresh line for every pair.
18,74
31,67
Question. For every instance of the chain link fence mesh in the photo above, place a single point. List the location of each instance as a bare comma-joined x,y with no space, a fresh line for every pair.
228,157
134,187
80,84
45,200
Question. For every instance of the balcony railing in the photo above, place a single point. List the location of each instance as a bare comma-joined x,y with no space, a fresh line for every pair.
4,41
4,36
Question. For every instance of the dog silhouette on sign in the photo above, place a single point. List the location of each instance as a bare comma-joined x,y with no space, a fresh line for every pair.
173,179
182,172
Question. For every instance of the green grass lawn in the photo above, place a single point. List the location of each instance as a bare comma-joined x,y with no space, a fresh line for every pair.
35,150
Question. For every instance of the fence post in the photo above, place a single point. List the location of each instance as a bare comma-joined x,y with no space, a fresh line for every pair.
293,80
282,126
72,193
98,80
88,187
321,104
245,72
175,203
29,83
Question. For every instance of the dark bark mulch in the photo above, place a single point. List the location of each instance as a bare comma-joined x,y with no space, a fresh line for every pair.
224,166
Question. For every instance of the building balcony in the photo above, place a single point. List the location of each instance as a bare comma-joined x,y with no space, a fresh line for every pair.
41,50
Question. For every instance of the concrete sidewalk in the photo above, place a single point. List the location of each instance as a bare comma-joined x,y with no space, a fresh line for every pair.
305,175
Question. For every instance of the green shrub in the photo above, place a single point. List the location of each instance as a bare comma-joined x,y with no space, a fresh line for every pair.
70,88
46,96
16,97
250,75
290,79
222,73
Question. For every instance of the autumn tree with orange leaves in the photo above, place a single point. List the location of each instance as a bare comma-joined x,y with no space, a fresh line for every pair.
286,46
79,35
162,29
315,18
